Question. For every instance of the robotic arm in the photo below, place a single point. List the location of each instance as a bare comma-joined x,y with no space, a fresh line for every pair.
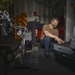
6,24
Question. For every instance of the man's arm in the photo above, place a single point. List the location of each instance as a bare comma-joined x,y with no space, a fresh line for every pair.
54,37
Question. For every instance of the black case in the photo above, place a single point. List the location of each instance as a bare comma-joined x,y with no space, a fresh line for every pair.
66,60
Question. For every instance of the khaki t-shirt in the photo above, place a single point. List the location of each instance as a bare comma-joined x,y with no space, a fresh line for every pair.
47,28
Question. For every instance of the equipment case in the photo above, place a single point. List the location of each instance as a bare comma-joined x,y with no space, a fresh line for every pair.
66,60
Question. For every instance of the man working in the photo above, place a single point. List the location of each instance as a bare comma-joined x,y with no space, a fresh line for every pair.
49,33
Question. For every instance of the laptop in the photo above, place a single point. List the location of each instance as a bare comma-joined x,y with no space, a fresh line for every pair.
72,44
67,47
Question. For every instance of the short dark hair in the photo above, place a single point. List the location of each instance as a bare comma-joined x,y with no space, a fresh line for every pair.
55,18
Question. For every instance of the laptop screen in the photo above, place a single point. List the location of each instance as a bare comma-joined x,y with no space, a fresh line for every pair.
72,44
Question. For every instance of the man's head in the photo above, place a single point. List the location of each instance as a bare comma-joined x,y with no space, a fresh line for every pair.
54,22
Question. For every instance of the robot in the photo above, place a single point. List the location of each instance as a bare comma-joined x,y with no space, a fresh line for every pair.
29,59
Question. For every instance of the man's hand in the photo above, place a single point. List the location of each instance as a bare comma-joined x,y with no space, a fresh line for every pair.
60,41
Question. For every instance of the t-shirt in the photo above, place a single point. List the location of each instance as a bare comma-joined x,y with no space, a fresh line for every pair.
47,28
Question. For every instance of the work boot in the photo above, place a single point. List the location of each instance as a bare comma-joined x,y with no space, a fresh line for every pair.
47,54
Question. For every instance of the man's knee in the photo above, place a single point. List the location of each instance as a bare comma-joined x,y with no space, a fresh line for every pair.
47,39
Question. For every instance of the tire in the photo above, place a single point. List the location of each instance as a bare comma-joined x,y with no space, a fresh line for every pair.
34,59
